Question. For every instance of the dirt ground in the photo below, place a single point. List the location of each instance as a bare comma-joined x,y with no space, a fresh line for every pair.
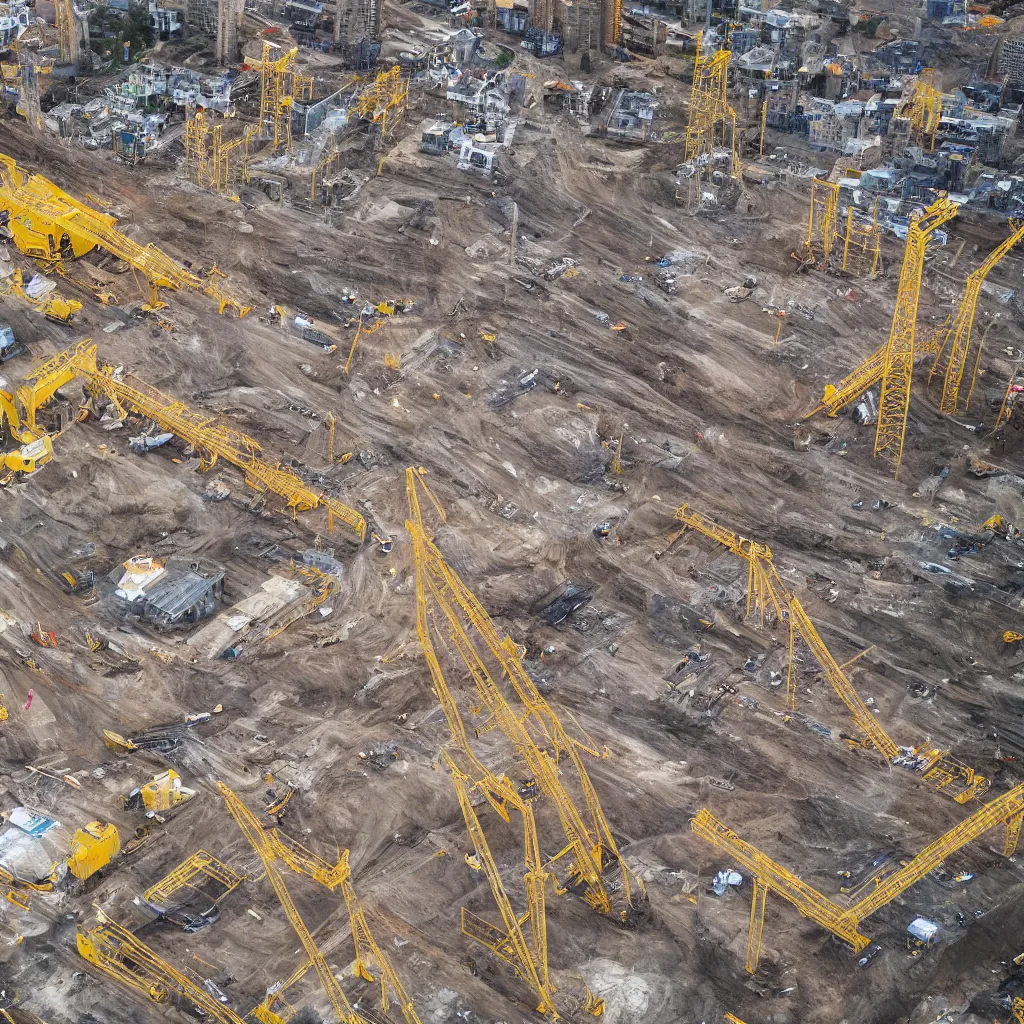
709,409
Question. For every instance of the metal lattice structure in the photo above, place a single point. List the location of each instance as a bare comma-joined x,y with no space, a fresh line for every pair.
212,441
845,921
451,621
822,220
954,341
123,956
922,108
772,601
53,227
897,372
385,100
69,33
711,130
275,847
212,163
281,84
862,244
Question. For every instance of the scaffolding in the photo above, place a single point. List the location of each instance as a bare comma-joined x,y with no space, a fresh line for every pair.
922,109
822,220
383,103
212,163
281,84
710,152
862,246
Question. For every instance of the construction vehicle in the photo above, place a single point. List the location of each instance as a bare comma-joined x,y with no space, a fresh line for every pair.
893,363
293,855
162,738
25,460
48,225
164,792
93,846
844,921
9,345
19,414
770,598
191,894
42,296
129,961
79,582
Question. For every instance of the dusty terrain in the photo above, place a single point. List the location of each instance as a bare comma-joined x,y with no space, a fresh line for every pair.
709,408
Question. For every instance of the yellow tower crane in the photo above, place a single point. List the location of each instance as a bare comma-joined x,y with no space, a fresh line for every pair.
253,831
872,370
822,220
954,341
19,418
124,957
770,598
711,128
922,108
331,876
494,663
844,922
53,227
898,370
281,84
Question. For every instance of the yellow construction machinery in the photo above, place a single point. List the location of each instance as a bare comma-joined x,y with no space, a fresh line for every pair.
53,227
898,369
893,364
449,618
369,955
822,220
93,846
212,163
129,961
50,303
25,78
494,662
922,108
281,85
270,856
383,103
19,411
711,138
164,792
953,341
845,921
862,244
770,598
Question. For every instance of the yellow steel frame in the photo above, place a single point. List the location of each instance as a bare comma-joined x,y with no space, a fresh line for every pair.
128,960
769,596
49,225
389,92
712,120
211,162
281,84
923,108
954,342
199,865
844,922
864,240
894,403
822,219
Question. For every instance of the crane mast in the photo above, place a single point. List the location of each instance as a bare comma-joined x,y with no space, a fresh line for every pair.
894,403
212,440
332,876
533,728
958,336
53,227
844,922
873,370
128,960
768,595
